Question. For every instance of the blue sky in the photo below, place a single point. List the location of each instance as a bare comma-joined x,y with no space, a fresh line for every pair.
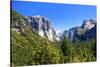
62,16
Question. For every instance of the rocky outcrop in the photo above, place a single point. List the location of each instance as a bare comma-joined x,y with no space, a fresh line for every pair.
42,26
18,23
88,24
84,32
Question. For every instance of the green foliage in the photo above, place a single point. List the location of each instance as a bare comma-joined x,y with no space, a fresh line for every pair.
36,50
68,50
28,48
65,46
86,50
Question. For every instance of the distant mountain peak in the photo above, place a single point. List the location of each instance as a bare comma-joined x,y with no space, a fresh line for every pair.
88,24
86,31
43,26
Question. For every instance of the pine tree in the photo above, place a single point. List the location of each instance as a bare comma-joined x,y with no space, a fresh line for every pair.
66,48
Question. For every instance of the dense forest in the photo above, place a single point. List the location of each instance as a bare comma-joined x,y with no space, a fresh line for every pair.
29,48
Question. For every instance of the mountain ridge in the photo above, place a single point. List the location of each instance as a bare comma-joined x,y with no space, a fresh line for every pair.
82,32
29,48
43,27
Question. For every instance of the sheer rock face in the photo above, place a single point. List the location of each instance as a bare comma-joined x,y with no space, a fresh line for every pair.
42,26
88,24
84,32
70,33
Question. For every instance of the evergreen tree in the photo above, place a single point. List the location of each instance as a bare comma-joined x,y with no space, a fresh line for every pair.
67,49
